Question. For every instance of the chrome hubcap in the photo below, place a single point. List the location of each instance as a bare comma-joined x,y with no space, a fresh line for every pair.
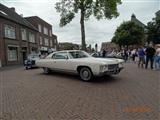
85,74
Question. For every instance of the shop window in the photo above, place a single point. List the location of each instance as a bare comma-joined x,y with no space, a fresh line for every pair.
12,53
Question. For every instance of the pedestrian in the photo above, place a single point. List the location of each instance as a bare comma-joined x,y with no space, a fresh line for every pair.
129,55
150,52
133,54
157,58
103,53
141,55
136,56
125,55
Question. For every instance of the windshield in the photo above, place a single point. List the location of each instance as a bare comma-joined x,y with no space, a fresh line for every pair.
78,54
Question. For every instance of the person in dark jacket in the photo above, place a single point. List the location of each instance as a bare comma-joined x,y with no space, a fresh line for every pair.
125,55
103,53
150,52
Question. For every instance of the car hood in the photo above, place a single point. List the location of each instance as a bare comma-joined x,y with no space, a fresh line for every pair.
119,60
35,59
98,60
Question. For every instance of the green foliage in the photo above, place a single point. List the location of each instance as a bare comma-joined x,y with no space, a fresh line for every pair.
70,46
101,9
106,9
154,30
128,33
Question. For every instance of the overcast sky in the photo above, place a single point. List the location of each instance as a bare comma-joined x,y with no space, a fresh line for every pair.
96,31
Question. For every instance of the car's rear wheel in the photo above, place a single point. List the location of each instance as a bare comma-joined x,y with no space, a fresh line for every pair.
46,70
85,74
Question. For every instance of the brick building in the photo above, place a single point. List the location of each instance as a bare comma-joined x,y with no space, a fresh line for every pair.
47,41
138,22
55,42
22,36
18,37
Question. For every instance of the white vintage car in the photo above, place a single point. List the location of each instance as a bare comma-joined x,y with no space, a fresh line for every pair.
80,62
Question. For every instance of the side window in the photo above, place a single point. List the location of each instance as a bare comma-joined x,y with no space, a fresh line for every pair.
94,55
62,55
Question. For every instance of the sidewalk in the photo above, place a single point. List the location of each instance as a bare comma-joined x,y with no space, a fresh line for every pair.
11,67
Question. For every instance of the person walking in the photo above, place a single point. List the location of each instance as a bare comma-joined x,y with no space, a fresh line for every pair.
125,55
157,58
150,52
141,55
136,56
133,54
103,53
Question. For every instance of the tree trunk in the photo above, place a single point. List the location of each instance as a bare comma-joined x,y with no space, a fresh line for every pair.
83,30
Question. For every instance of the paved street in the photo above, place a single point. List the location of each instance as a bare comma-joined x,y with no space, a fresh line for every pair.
32,95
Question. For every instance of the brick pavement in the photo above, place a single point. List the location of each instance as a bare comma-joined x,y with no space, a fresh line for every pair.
31,95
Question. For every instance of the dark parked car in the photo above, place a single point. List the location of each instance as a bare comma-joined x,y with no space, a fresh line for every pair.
31,61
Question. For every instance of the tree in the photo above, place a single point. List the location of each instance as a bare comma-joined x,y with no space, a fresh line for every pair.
154,30
128,33
99,8
68,46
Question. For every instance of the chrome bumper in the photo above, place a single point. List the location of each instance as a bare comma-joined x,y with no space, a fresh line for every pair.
111,72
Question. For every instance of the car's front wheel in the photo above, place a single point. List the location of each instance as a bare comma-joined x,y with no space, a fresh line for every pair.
28,67
46,70
85,74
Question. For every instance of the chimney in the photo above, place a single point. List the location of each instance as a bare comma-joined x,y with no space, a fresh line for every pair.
13,9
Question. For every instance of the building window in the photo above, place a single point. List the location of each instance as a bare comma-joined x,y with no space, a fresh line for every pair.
40,40
50,33
39,28
10,32
32,38
51,42
55,47
24,34
46,42
55,41
12,53
45,30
